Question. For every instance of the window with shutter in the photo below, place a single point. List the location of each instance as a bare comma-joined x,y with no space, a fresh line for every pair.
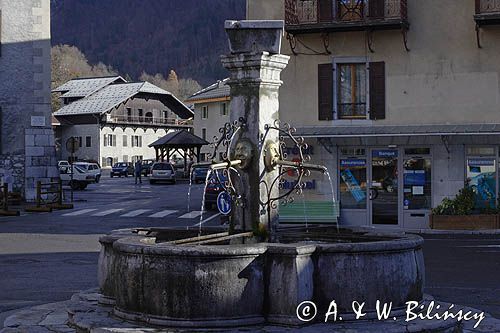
325,10
377,90
325,91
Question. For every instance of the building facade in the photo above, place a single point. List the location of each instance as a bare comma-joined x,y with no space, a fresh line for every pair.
27,151
398,98
211,112
115,121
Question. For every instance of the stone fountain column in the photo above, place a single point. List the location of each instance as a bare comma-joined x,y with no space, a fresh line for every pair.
255,64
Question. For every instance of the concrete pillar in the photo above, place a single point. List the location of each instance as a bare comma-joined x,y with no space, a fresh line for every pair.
254,82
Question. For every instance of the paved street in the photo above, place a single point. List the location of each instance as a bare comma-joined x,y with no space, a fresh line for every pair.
50,256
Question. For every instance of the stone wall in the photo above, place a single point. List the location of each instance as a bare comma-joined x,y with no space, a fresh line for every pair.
27,152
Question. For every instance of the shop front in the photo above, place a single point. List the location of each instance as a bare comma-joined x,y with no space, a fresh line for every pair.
393,177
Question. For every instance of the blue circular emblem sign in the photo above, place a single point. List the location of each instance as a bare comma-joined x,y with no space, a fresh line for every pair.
224,203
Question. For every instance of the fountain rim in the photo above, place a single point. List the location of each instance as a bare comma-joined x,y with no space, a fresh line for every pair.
147,246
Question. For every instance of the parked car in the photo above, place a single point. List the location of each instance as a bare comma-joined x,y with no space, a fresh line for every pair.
122,169
162,171
146,167
92,168
199,174
214,187
63,164
80,179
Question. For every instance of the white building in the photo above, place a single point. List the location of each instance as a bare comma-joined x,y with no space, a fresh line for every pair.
114,120
211,112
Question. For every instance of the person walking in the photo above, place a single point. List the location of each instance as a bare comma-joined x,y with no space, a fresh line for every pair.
138,171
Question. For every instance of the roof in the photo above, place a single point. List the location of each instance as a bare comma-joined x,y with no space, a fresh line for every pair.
181,138
399,130
217,90
86,86
112,96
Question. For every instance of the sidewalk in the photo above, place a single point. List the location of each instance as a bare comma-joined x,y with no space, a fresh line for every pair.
86,316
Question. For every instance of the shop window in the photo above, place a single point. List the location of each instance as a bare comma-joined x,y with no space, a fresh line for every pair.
353,183
417,182
481,177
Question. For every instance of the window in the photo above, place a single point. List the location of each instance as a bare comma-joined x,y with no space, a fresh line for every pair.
136,141
125,158
204,112
481,176
140,115
417,182
88,141
351,91
129,114
353,178
204,133
358,89
165,116
125,144
149,117
109,140
136,158
223,109
79,140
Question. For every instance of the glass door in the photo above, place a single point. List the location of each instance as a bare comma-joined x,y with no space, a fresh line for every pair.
383,194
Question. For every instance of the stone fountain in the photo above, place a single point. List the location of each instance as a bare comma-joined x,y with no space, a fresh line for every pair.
255,273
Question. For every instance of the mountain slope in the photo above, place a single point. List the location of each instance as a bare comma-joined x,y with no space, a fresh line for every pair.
149,35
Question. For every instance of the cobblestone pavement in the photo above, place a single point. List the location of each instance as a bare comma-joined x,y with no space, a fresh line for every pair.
86,316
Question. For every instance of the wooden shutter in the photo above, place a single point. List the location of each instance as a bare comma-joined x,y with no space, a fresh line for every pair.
325,9
325,91
377,90
376,8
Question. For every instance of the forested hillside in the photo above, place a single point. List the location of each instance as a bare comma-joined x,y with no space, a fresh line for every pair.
153,36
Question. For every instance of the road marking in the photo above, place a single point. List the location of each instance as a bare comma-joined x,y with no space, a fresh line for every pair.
163,213
80,212
206,220
135,213
191,215
107,212
479,246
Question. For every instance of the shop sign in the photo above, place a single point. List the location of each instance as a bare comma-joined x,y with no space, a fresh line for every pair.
481,162
385,153
352,163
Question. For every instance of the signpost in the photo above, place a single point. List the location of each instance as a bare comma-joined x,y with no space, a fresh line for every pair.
224,203
72,146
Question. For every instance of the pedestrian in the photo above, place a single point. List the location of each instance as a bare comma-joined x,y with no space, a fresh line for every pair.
138,171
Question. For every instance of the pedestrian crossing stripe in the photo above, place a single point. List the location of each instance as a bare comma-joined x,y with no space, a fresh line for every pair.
80,212
107,212
135,213
163,213
191,215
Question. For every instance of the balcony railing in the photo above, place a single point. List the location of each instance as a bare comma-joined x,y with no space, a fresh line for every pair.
150,121
487,13
487,7
351,110
344,15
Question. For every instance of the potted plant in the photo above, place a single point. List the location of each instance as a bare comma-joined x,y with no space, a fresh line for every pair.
460,213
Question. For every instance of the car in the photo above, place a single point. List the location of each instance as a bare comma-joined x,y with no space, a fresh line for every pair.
122,169
162,171
213,189
199,174
92,168
63,164
76,177
146,167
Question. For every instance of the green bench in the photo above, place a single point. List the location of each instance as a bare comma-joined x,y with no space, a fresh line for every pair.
310,212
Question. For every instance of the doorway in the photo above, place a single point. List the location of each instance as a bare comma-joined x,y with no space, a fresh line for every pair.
384,187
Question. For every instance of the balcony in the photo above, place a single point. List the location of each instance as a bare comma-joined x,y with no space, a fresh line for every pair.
313,16
147,122
487,13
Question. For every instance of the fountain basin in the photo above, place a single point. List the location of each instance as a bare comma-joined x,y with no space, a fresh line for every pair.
254,36
238,285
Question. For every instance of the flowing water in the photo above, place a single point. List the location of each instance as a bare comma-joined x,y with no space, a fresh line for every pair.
305,210
207,179
189,190
333,197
